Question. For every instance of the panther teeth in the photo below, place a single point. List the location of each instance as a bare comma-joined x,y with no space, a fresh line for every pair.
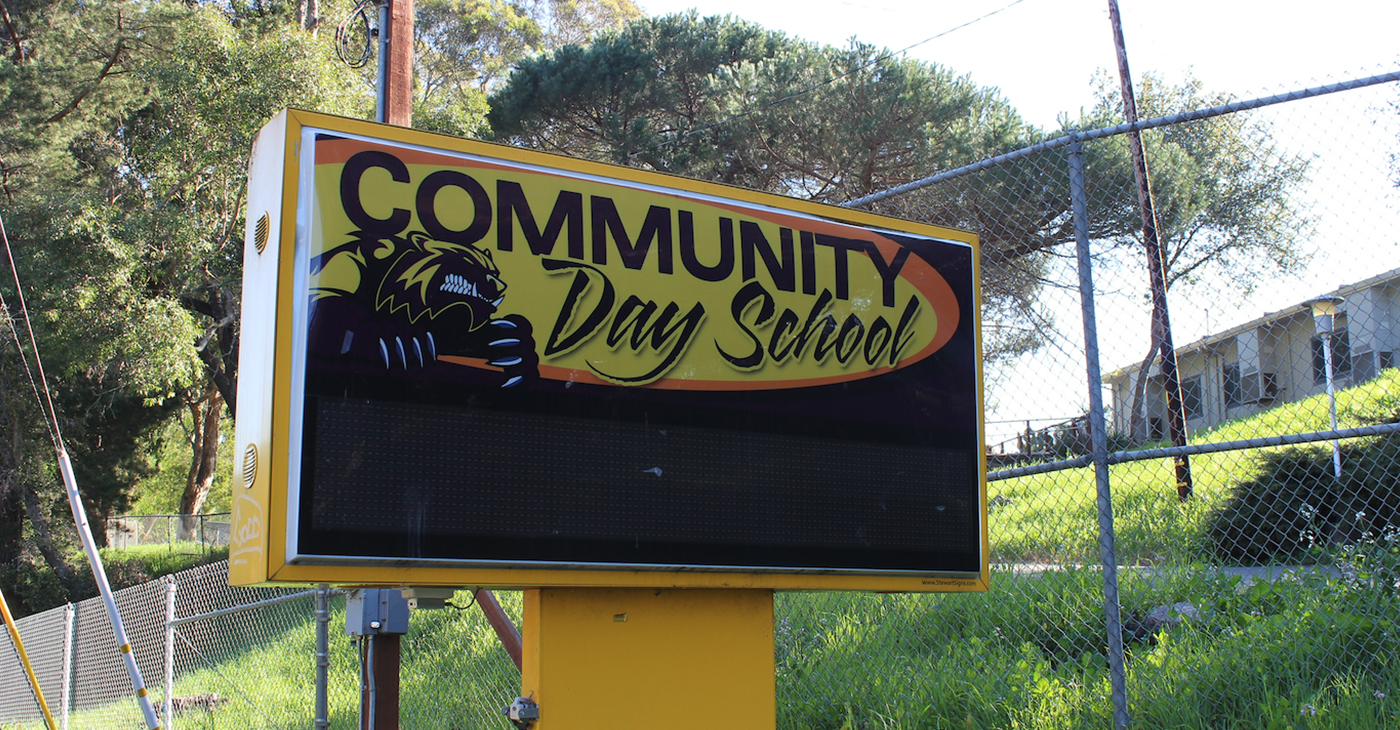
458,284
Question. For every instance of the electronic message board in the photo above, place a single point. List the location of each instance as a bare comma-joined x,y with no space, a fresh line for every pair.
468,364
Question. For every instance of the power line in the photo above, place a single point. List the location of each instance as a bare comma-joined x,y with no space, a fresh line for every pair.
828,82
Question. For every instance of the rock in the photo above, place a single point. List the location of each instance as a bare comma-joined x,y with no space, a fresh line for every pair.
1167,616
1145,629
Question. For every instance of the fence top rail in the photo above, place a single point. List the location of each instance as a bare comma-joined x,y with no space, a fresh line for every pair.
1138,126
1120,457
201,516
244,607
1384,429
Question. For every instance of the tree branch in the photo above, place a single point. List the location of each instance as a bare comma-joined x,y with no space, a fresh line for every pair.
106,71
14,32
228,387
198,306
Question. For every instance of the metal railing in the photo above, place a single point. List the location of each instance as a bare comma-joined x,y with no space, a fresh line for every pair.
181,533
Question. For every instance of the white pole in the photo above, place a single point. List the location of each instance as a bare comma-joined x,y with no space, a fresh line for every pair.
65,467
69,613
168,705
1331,402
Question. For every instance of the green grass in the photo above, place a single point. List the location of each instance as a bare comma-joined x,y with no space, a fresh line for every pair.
1310,652
455,675
1030,654
1052,518
159,560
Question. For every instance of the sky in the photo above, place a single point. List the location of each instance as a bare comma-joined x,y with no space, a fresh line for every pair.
1043,54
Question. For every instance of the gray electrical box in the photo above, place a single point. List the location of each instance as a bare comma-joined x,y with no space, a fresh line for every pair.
371,611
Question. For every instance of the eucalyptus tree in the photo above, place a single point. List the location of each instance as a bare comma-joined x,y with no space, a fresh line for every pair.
124,134
464,49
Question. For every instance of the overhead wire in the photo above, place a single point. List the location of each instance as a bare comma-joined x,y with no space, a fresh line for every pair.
345,39
828,82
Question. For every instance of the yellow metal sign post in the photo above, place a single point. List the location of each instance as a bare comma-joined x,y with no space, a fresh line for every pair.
649,401
609,658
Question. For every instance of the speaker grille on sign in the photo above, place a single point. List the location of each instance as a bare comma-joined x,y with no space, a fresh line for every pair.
261,231
250,465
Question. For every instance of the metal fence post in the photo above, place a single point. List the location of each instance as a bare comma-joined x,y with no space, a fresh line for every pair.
1098,439
323,657
168,706
66,693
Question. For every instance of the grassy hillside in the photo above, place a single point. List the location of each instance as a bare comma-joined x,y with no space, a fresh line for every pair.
1053,517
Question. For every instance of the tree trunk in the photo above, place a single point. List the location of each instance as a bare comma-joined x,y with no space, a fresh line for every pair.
220,359
1137,422
11,521
204,443
43,538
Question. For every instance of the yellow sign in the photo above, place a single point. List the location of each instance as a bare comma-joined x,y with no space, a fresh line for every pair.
400,287
691,293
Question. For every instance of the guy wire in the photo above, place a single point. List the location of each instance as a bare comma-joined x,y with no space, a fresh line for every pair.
75,503
51,418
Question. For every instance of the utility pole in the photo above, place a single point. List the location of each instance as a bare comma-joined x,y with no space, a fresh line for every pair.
394,102
1156,267
393,105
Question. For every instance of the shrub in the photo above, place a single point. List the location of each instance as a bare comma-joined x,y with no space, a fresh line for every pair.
1295,502
30,586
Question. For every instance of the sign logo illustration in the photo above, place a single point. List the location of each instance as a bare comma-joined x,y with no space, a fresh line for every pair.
627,286
404,302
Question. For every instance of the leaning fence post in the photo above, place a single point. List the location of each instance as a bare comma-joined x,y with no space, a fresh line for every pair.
168,707
323,657
69,613
1098,440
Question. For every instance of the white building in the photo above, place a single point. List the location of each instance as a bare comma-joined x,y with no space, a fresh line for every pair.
1274,359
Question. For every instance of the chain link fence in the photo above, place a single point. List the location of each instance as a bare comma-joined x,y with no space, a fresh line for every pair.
181,533
216,656
1267,597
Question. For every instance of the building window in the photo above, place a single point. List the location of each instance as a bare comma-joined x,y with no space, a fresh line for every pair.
1387,359
1363,367
1341,357
1191,397
1230,375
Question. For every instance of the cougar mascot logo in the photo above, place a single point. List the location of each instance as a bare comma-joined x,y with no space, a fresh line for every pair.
401,303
